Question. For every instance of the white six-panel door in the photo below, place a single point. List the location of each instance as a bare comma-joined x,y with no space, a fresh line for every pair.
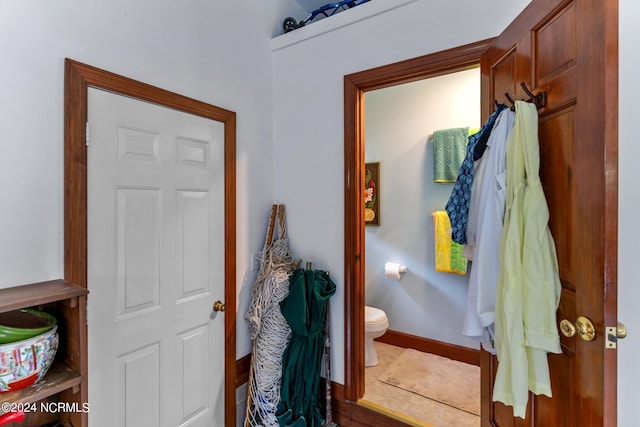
156,265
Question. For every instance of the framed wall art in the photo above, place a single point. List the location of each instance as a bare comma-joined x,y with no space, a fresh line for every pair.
372,194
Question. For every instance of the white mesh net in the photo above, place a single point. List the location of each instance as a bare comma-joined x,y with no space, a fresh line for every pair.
268,330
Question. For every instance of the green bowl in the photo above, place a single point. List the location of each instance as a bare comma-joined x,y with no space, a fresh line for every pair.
23,324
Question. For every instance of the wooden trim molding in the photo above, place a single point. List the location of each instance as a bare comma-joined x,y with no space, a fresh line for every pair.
355,86
451,351
347,413
78,78
243,366
611,143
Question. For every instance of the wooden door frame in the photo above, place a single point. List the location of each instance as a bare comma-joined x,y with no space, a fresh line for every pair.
78,78
355,85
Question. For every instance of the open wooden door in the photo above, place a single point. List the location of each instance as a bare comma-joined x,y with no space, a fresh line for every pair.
569,49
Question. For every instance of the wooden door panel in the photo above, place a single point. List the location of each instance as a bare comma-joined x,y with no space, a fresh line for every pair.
567,310
503,75
557,147
550,411
563,47
551,57
503,417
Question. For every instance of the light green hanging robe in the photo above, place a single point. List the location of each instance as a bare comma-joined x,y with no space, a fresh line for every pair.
529,285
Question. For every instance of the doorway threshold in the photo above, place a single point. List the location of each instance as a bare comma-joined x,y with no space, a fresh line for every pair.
393,414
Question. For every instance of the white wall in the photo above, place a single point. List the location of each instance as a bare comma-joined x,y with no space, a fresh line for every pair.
629,203
217,52
308,111
398,122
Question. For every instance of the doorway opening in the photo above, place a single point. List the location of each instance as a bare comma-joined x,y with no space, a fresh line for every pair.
425,306
356,86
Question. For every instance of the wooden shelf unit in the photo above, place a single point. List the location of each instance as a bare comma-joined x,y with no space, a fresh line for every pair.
66,380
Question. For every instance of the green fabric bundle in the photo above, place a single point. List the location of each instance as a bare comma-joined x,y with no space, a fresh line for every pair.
305,309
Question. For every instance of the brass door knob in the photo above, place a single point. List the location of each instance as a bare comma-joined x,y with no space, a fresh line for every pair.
583,326
219,306
615,333
567,328
621,331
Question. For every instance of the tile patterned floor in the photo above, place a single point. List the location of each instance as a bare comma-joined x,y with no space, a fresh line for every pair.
421,409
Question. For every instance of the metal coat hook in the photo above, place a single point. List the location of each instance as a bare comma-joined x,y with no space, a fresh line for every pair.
539,99
510,99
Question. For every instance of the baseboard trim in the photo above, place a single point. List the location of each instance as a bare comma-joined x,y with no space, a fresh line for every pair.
452,351
405,419
243,365
359,414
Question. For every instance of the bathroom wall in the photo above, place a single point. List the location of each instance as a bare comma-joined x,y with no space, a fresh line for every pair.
398,124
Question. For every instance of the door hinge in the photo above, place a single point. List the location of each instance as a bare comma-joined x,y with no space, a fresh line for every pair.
86,312
87,134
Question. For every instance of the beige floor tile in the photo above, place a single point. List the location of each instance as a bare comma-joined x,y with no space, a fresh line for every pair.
410,404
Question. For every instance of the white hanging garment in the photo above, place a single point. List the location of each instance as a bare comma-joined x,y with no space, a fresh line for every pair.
486,231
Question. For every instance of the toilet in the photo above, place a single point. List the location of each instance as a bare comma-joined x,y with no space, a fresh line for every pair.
375,325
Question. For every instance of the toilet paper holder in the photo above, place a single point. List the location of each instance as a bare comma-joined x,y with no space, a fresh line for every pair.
394,270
